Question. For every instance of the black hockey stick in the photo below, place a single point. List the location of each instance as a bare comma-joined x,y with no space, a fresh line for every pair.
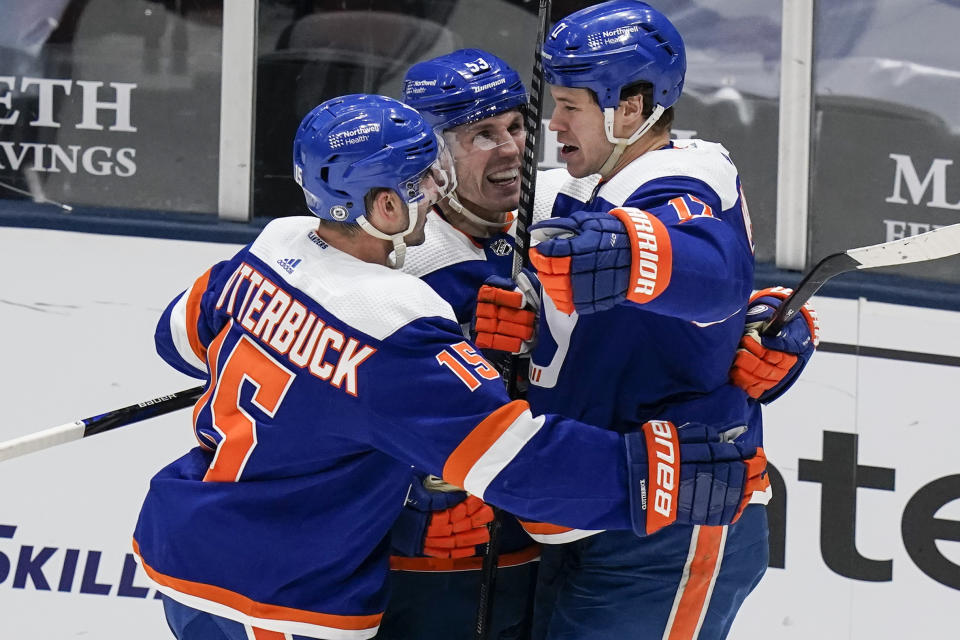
98,424
521,257
532,115
939,243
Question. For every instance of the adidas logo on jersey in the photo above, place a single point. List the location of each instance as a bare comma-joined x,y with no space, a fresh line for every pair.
289,264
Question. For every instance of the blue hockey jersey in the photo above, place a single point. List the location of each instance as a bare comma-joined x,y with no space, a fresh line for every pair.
455,264
670,356
326,379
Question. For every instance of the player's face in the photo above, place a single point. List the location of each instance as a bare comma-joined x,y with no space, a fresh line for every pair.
487,157
578,121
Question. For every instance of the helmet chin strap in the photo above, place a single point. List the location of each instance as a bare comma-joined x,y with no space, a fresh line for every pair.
459,207
620,144
399,246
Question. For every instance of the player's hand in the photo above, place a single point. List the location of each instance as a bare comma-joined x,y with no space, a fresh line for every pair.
593,261
507,313
440,522
690,475
766,366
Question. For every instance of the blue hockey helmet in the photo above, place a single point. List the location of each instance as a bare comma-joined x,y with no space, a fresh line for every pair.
351,144
613,45
461,87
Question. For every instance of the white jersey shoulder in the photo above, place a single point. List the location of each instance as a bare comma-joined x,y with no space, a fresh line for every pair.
442,247
553,182
369,297
708,162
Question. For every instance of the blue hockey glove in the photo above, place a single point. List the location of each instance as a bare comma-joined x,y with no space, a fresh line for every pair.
689,475
766,366
440,522
506,315
593,261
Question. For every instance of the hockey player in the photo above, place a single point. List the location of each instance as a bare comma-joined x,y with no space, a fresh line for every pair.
330,374
474,99
647,266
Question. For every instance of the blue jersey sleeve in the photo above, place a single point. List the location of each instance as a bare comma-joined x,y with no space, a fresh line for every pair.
444,409
704,265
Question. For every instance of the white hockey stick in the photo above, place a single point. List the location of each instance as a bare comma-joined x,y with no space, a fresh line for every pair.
939,243
98,424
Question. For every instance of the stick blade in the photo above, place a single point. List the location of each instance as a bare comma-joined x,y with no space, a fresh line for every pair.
939,243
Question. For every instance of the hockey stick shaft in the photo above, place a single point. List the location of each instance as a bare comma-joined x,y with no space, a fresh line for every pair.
532,120
98,424
532,117
939,243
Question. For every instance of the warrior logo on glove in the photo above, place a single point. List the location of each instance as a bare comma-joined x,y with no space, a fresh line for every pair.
664,469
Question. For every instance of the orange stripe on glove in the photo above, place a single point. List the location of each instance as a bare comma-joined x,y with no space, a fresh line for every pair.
554,274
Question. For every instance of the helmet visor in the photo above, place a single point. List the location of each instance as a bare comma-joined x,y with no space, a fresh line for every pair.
434,183
487,155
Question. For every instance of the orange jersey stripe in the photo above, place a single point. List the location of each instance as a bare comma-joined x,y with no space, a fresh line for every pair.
246,606
479,440
543,528
214,353
193,315
513,559
697,583
263,634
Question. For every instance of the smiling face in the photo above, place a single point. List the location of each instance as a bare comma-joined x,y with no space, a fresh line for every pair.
578,121
487,156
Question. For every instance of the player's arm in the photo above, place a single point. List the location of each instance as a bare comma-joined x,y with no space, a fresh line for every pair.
186,327
651,252
450,416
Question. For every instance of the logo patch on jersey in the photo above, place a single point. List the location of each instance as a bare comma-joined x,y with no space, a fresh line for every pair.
339,212
289,264
501,247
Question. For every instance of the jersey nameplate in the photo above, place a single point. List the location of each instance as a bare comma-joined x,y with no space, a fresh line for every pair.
286,326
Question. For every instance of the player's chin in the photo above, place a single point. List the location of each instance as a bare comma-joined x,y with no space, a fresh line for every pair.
415,238
502,197
577,167
502,202
575,161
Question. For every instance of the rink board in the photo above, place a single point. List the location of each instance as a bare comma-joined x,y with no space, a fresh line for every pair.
78,320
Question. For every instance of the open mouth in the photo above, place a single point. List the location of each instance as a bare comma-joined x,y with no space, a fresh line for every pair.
567,149
504,178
